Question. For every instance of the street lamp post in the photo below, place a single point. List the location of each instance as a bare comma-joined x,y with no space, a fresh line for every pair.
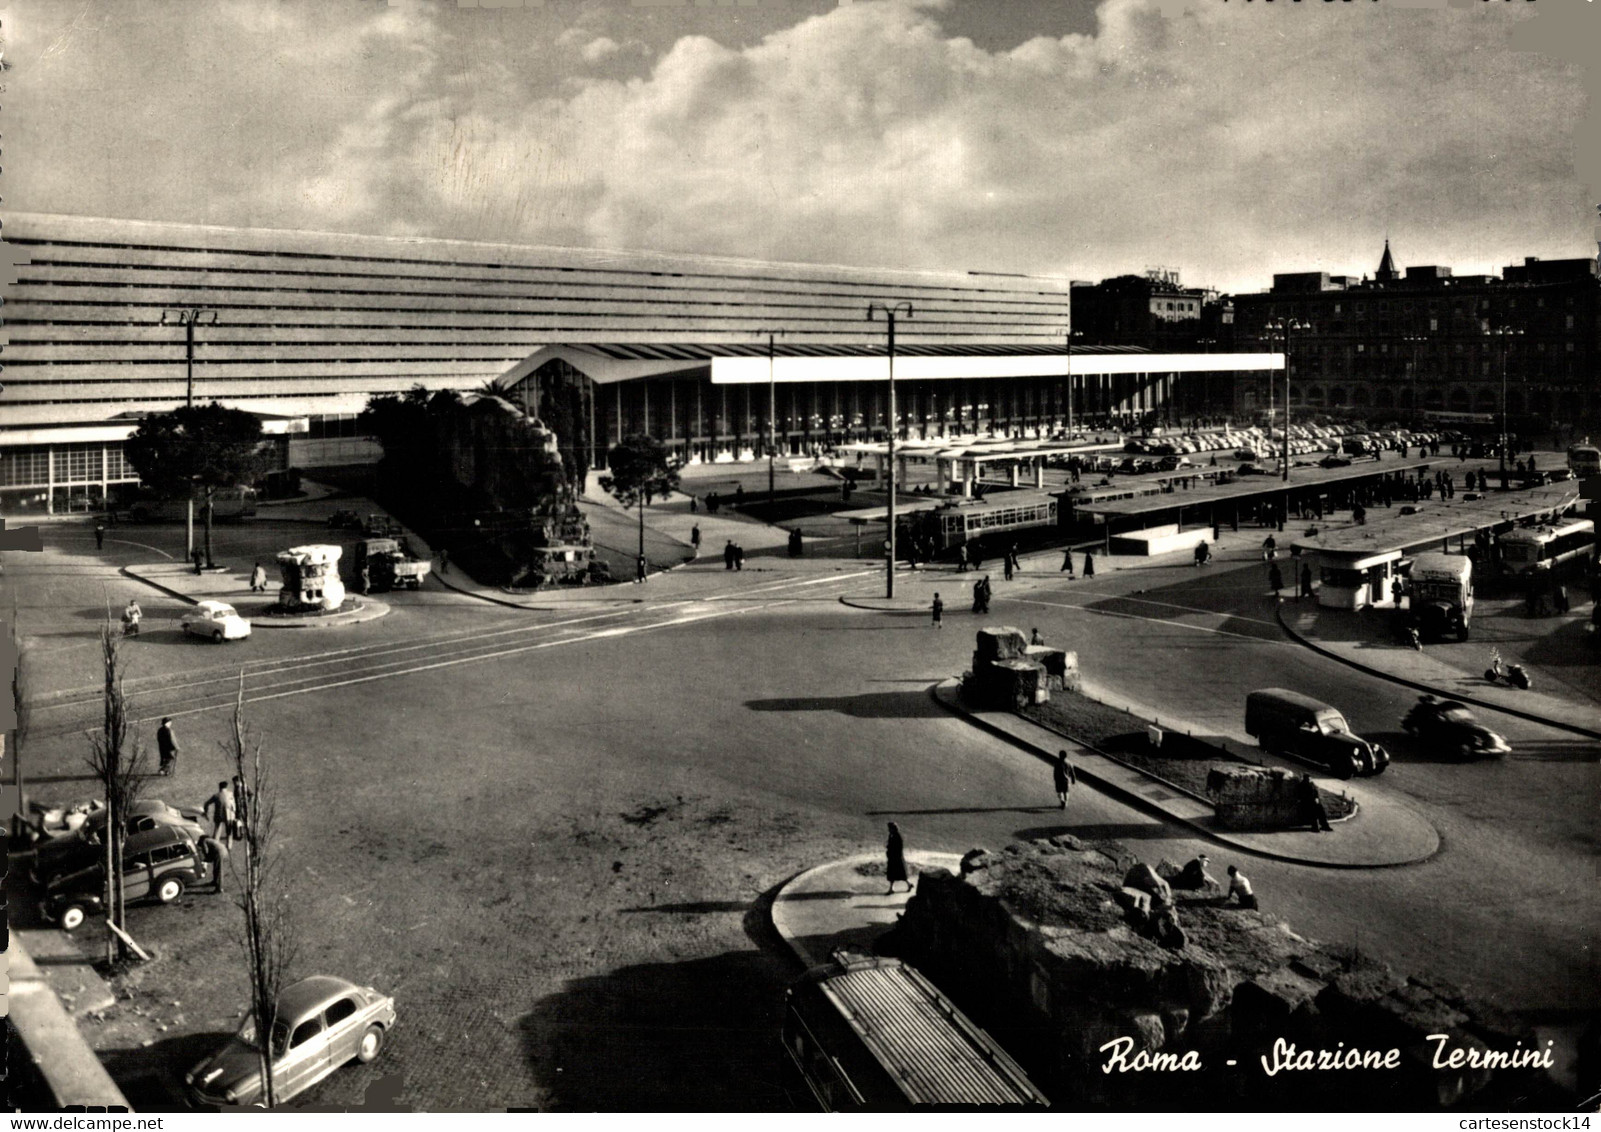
189,318
1416,341
1069,335
1283,326
1504,335
889,311
772,412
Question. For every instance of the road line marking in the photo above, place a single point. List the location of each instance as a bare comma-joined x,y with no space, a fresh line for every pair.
1154,620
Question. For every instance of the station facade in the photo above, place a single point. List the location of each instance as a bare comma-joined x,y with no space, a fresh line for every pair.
303,328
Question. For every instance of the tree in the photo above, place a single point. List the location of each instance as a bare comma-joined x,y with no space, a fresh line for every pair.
117,758
21,698
639,474
198,447
267,934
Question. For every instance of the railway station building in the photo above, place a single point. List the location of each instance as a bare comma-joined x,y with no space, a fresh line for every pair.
706,353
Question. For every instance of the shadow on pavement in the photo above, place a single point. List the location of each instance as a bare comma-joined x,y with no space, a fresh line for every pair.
1106,831
151,1077
700,1035
873,705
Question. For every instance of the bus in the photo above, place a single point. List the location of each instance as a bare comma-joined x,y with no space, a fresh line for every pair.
952,524
1584,460
1527,549
1441,593
867,1034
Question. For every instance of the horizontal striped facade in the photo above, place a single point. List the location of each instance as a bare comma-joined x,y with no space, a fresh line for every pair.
314,323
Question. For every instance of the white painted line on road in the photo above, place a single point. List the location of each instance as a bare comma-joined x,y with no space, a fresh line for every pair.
596,635
1154,620
1193,609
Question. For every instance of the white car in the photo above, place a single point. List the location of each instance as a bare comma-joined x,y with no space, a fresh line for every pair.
217,620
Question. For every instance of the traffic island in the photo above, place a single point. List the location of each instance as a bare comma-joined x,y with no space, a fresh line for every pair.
353,612
1383,831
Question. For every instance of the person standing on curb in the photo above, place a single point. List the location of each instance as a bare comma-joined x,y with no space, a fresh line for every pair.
167,746
895,859
1063,777
938,609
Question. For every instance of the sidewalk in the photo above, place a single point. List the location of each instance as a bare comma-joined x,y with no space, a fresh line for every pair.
843,903
1381,833
1362,641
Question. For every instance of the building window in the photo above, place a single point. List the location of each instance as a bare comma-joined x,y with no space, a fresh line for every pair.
1336,308
1434,323
1570,320
25,467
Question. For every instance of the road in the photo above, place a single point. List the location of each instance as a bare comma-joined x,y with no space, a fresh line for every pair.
551,836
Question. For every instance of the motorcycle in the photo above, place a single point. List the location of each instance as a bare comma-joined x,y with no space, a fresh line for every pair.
1514,674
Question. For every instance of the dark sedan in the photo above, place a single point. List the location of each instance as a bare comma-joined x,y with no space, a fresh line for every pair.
1445,725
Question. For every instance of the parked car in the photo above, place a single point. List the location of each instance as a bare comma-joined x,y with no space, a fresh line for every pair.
1252,470
322,1022
1245,454
1450,726
1288,722
156,863
215,620
69,851
1334,462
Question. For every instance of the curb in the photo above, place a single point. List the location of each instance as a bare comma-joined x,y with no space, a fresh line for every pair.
509,604
1147,805
779,912
1402,680
378,608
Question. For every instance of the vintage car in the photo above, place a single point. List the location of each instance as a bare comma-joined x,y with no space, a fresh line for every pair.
1334,462
322,1022
157,864
62,849
1446,725
215,620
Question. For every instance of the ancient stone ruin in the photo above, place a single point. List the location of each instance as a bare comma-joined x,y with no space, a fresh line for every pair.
1076,955
1009,673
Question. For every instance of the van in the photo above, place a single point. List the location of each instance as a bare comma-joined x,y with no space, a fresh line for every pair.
158,863
1290,723
864,1033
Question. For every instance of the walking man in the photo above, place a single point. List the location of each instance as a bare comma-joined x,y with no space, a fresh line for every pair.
1067,564
220,809
131,616
1006,566
258,579
1089,565
1275,579
939,612
728,555
167,745
1063,777
100,536
694,537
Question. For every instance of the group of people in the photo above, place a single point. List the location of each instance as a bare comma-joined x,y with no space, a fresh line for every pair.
733,556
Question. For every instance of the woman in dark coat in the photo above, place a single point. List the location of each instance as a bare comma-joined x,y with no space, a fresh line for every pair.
1089,565
895,858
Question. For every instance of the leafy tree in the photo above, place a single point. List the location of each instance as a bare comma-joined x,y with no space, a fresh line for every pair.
198,448
639,473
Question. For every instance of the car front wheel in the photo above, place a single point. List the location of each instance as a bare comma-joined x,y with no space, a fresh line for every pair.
371,1043
71,917
169,890
216,636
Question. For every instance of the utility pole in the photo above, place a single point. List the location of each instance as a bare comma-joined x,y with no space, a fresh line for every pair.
1283,326
188,318
772,412
1504,335
889,311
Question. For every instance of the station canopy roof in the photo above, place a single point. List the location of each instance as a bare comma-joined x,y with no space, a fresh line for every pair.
738,363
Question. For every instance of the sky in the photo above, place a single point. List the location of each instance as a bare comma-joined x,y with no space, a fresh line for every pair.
1226,139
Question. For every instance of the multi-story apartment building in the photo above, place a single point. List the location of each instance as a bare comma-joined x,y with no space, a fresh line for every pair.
1426,339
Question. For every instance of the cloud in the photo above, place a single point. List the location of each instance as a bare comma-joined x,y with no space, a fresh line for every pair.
1228,140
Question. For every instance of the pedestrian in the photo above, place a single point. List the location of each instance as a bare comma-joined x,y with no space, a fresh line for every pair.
728,555
444,561
693,506
167,746
895,859
1240,885
939,612
961,559
1089,565
1275,579
694,537
1270,549
739,557
711,503
1017,563
100,536
1312,809
220,809
1035,638
131,616
1067,564
1063,778
1006,566
215,854
241,807
199,557
739,495
1194,876
639,568
1217,533
258,579
1306,582
1202,553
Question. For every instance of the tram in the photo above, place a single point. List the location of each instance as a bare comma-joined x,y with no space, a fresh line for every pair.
952,524
1527,549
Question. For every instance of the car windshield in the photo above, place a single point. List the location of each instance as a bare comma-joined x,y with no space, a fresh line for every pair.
1457,715
1332,723
247,1034
222,611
